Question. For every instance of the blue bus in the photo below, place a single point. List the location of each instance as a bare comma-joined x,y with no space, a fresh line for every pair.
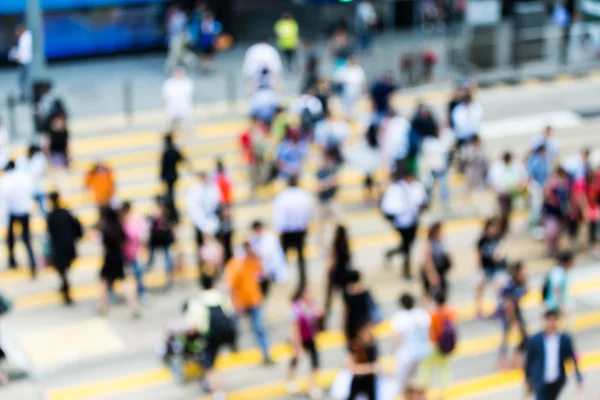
76,28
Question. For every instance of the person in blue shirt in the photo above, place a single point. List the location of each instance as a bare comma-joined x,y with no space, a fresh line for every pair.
538,170
381,93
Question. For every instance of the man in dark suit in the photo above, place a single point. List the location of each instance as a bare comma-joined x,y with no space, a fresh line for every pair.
547,353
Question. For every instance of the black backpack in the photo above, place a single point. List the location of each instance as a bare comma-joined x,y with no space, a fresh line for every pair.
222,327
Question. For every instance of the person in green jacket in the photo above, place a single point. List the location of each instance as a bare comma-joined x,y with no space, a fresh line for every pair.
288,38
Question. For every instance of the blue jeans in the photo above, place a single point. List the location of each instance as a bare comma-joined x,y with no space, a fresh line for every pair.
40,200
138,273
442,179
258,326
168,260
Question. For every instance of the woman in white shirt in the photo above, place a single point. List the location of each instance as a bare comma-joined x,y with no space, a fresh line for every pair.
353,79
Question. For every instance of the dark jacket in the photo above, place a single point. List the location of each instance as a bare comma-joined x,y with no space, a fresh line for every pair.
168,164
64,230
535,360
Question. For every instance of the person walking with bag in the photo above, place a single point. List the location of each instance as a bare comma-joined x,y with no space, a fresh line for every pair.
339,265
64,230
135,235
162,237
359,306
437,264
306,317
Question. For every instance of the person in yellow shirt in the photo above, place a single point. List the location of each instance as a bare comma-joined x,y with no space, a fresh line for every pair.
243,275
288,38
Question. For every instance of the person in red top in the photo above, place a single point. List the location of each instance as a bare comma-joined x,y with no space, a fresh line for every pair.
254,144
586,193
224,184
225,233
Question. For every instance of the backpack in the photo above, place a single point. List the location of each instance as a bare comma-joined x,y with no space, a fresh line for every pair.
448,338
222,327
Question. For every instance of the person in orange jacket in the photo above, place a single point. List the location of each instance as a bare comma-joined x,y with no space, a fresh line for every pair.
101,184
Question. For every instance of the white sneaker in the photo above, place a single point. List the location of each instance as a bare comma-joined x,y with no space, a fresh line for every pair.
292,388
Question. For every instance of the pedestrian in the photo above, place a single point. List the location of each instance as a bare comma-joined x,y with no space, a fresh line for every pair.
330,134
258,58
365,21
47,107
311,67
4,145
340,48
562,19
556,209
17,200
437,263
467,118
327,186
212,253
585,199
508,178
475,166
395,144
510,315
35,163
170,161
203,205
254,145
113,264
211,315
264,100
435,156
443,336
136,234
57,148
224,183
291,155
404,202
64,230
101,184
577,165
22,54
359,306
551,145
538,170
547,353
178,40
210,29
162,237
457,98
178,98
491,263
367,156
411,325
267,246
224,233
353,81
293,210
306,321
363,363
309,111
288,38
340,263
242,275
555,290
381,96
323,93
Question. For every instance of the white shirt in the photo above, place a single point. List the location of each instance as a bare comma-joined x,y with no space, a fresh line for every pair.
552,358
36,167
331,132
413,326
268,247
467,119
314,105
575,166
551,143
17,192
203,201
24,52
404,200
506,178
353,78
395,143
366,13
264,99
293,210
178,95
435,154
261,56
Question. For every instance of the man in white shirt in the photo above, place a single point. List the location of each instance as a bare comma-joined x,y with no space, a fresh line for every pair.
267,246
293,209
403,202
577,165
17,199
435,151
551,145
396,141
23,54
259,57
467,118
353,79
178,97
35,164
366,18
508,178
203,200
330,134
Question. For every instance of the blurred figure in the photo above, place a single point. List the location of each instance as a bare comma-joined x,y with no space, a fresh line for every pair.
291,155
340,262
306,317
22,54
367,156
254,146
395,144
57,146
547,354
258,58
327,186
363,363
225,229
64,230
577,165
538,170
330,134
311,67
136,235
17,200
455,101
288,38
35,163
267,246
113,266
224,183
467,118
162,237
551,145
210,28
4,145
353,81
556,208
365,21
340,48
434,162
359,306
490,261
178,40
178,98
264,101
101,184
475,163
381,95
170,161
309,110
293,210
508,178
437,264
556,286
203,205
586,194
242,275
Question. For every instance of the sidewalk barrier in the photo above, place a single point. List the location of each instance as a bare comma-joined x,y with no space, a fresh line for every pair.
11,105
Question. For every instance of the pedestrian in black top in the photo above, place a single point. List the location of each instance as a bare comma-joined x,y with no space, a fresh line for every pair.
113,265
64,230
491,263
356,299
437,264
169,169
363,364
339,265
